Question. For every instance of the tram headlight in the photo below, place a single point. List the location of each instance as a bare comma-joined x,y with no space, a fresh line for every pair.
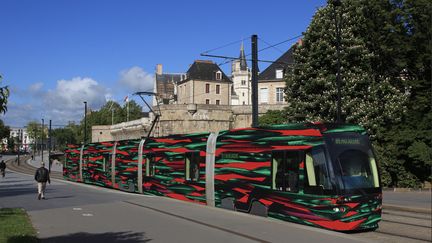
339,209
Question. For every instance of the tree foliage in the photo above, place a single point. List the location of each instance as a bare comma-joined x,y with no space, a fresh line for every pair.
108,114
4,130
368,98
386,83
272,117
4,95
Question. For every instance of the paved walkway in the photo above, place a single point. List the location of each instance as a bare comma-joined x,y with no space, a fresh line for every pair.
414,201
74,212
55,166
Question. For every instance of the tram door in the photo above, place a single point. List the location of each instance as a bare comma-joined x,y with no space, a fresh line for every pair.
285,170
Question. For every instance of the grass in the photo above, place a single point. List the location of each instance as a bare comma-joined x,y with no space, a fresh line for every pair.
15,226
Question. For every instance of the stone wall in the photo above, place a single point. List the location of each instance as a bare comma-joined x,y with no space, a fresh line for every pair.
182,119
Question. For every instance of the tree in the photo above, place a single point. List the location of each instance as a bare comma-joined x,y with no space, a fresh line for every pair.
35,131
386,79
4,95
367,99
411,139
4,130
66,135
272,117
104,116
135,111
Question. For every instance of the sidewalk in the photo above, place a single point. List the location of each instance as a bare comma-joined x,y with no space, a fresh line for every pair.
56,166
409,201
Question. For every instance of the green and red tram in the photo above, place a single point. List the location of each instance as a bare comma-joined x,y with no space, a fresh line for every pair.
323,175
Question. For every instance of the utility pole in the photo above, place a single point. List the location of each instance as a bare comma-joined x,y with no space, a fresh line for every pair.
19,136
49,147
254,39
42,138
85,122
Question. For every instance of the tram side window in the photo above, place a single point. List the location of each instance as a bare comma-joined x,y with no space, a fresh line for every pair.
192,171
150,165
106,162
317,171
85,160
285,170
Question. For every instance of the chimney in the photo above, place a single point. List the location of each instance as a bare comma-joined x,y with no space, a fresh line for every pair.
159,69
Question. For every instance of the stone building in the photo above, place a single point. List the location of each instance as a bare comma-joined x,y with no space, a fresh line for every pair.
205,83
204,99
241,78
165,85
271,82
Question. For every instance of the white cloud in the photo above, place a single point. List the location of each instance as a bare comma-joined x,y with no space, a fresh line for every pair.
62,104
136,79
67,100
36,87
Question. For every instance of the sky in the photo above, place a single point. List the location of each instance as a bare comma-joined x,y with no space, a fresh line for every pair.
56,54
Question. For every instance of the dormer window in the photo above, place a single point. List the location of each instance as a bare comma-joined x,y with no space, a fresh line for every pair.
218,75
279,73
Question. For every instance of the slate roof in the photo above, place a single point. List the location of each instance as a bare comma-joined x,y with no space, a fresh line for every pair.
281,63
165,84
205,70
243,64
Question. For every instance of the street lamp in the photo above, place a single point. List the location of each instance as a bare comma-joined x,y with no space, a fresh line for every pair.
85,122
42,138
338,3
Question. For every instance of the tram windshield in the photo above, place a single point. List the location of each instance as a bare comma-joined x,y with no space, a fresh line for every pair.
353,156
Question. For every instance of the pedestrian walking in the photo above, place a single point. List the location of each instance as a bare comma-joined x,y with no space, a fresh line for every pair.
2,168
42,177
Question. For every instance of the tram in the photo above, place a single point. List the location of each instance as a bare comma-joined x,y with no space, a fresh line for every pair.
317,174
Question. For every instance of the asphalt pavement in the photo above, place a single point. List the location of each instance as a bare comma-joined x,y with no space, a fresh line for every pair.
80,213
75,212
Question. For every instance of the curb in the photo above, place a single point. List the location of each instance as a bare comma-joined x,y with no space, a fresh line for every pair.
406,209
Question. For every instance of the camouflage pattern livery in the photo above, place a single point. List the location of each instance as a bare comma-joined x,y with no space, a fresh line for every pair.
288,172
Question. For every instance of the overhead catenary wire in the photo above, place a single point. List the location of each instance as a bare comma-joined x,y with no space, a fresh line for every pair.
229,59
223,46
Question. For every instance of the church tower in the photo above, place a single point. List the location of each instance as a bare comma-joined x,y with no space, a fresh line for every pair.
241,77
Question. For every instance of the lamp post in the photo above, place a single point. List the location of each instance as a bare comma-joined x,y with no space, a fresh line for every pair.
338,3
42,138
85,122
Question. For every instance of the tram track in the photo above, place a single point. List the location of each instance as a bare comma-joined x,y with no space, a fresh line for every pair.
402,226
395,226
27,169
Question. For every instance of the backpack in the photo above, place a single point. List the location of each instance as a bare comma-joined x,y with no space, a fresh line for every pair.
42,175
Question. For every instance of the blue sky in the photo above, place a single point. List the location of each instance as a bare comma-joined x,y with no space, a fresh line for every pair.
54,54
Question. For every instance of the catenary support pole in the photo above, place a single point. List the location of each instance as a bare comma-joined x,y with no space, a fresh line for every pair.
254,80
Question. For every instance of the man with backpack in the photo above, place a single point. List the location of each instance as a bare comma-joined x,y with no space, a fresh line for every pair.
42,177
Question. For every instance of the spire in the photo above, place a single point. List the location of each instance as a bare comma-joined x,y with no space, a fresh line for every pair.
243,64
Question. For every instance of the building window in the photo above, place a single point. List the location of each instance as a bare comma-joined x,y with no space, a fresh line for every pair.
217,89
243,82
218,75
280,95
207,101
207,88
279,73
243,94
217,102
263,95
